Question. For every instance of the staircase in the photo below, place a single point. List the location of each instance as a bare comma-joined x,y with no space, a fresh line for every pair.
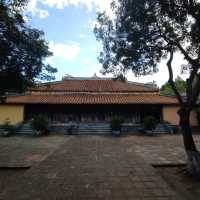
104,129
163,128
93,129
25,129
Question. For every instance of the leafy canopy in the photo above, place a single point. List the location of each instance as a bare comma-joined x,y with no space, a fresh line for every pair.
146,31
23,50
166,89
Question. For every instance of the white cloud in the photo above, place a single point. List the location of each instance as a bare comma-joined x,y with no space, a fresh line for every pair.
94,48
50,61
102,5
86,61
91,24
35,11
99,5
25,18
32,5
60,4
82,36
42,13
67,51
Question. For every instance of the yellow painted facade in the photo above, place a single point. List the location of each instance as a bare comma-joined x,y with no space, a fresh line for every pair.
170,115
13,113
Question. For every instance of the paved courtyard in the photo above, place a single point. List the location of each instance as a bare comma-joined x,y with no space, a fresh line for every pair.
90,167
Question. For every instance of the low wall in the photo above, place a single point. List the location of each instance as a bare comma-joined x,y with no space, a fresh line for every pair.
13,113
170,115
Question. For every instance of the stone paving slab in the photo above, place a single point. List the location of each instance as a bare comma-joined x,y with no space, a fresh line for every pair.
24,151
92,168
160,150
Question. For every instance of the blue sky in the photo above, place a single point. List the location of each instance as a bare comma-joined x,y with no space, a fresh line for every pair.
68,27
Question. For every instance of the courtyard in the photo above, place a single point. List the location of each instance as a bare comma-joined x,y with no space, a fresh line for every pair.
91,167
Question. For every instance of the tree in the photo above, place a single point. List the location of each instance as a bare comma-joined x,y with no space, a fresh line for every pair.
143,33
23,50
166,89
120,77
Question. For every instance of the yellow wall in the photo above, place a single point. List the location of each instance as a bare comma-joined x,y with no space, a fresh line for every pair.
15,113
170,115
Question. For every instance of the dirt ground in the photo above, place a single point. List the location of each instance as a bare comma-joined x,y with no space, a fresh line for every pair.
187,187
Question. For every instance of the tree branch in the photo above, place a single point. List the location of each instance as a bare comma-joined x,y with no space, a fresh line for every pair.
190,81
171,79
188,58
182,50
177,44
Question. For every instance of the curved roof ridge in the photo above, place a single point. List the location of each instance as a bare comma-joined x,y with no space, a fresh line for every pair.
94,84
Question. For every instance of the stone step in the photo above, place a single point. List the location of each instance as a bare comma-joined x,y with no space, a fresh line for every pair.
85,131
93,126
94,129
163,128
92,133
25,129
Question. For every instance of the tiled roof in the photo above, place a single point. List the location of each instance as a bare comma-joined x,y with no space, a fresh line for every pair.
95,85
92,91
91,99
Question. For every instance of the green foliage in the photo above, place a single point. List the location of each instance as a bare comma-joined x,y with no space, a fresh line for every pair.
144,32
23,50
120,77
180,85
7,128
40,124
15,5
149,122
116,123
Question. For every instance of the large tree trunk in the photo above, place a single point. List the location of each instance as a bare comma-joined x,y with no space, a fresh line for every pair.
193,156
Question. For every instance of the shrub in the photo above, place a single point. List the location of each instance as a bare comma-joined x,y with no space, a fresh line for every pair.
40,124
7,128
150,122
116,123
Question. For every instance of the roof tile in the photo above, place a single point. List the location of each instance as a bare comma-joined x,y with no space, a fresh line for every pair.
91,99
99,85
98,91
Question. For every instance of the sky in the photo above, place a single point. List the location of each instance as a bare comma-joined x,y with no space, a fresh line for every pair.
68,26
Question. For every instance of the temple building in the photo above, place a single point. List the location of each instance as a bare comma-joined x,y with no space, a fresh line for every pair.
91,100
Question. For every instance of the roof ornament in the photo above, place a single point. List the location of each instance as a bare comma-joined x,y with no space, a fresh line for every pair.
67,77
152,84
95,76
